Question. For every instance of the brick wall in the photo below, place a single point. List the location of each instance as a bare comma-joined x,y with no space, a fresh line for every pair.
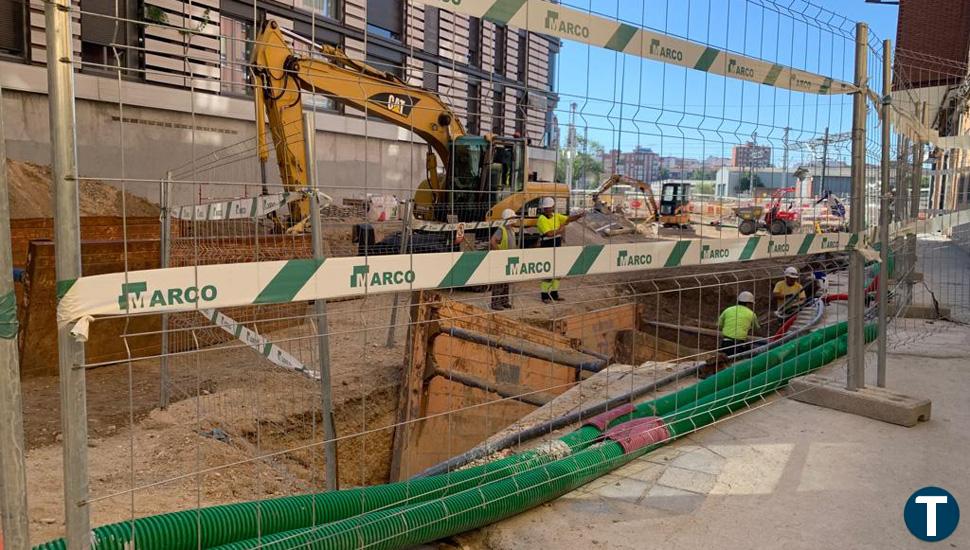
935,28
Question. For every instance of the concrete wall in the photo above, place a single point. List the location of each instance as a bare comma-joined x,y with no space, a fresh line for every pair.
961,236
172,129
141,150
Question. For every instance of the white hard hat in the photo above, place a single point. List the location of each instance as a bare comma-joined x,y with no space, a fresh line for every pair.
548,202
508,214
746,297
791,272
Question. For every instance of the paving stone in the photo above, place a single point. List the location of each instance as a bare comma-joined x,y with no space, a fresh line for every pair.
687,480
672,500
701,460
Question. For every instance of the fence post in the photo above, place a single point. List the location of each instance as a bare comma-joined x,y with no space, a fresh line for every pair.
917,182
855,365
67,262
13,467
902,179
165,245
320,308
884,216
405,241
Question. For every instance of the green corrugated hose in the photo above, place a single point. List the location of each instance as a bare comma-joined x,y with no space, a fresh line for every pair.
419,523
218,525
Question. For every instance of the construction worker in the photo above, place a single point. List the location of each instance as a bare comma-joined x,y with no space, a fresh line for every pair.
788,287
504,238
552,227
736,324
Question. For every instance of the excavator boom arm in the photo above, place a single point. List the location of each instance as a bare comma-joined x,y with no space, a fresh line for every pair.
635,183
280,77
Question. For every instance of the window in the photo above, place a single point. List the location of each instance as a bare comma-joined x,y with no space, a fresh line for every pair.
385,18
313,100
498,112
432,29
475,42
105,33
12,24
520,70
236,42
326,8
474,108
500,33
430,81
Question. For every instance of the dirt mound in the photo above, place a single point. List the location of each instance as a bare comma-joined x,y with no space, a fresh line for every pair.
31,195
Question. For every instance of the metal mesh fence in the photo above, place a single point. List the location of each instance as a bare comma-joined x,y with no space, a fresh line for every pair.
693,152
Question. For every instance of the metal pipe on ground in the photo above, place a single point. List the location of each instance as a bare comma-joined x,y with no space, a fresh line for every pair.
570,358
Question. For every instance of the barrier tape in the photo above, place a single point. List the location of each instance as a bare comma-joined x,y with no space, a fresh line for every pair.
228,285
219,286
560,21
8,316
273,353
241,209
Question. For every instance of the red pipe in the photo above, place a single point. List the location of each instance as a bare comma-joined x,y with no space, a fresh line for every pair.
784,327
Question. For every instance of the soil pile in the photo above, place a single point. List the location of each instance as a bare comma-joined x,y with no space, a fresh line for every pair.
31,195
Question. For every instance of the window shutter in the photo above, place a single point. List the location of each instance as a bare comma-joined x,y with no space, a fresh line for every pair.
12,25
101,30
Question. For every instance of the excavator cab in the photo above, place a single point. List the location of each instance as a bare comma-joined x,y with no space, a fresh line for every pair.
483,172
674,202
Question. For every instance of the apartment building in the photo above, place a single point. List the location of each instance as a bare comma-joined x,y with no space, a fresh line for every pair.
170,75
642,163
751,155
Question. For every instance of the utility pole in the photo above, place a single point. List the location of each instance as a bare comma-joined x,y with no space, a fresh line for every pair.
13,466
67,264
570,145
856,366
825,159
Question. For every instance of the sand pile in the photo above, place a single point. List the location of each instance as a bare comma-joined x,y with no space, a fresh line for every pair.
30,195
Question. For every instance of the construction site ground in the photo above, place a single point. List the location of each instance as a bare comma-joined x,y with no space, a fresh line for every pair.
134,443
785,473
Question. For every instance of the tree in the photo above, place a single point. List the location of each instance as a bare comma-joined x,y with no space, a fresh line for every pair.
664,174
704,188
587,166
744,183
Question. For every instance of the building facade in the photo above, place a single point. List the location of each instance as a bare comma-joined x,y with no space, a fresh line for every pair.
641,163
751,155
932,65
179,69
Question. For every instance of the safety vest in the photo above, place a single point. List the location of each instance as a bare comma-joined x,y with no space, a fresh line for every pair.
504,243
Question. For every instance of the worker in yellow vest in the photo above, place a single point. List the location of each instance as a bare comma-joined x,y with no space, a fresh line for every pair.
503,238
736,324
552,226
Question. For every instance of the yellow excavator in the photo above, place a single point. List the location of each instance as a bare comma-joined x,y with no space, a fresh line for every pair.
673,209
482,176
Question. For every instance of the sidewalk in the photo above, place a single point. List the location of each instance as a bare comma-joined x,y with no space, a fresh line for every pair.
784,473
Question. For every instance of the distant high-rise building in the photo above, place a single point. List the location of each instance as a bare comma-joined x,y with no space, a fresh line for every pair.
751,155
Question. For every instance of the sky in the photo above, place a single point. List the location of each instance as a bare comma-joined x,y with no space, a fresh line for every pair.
625,101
